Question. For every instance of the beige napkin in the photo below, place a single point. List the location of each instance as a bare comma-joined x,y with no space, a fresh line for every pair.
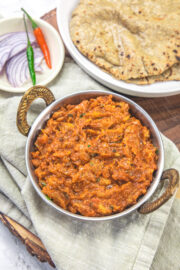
167,256
126,243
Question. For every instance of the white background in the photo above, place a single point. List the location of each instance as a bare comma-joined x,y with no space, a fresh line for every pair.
13,254
36,8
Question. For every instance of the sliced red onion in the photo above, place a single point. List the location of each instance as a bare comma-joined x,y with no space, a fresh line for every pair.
5,36
4,56
15,37
15,43
17,70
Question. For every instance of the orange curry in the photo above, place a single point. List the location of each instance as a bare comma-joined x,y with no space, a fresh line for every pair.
94,158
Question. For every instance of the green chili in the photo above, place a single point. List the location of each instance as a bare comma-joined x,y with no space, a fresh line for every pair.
30,56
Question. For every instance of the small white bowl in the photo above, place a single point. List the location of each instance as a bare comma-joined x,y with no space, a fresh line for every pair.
55,46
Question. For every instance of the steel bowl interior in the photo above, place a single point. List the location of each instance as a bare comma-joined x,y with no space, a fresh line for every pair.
76,98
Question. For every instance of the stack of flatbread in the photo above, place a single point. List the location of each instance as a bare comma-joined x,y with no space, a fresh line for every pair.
136,41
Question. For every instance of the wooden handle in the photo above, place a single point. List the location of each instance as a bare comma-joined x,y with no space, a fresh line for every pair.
29,96
173,177
31,241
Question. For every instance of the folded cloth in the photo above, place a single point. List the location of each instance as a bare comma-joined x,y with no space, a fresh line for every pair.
125,243
167,255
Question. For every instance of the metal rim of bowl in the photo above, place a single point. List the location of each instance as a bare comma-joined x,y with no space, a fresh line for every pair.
48,110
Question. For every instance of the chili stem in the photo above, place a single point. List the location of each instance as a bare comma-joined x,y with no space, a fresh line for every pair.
26,30
34,25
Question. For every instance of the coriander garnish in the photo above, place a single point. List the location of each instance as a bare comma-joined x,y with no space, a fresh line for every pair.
48,198
81,115
43,184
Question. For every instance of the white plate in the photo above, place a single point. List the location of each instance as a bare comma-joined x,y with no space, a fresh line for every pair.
56,49
64,11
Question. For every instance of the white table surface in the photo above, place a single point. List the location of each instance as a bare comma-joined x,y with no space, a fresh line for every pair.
13,254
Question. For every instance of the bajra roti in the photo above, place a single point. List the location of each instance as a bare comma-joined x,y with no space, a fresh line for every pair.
173,73
131,39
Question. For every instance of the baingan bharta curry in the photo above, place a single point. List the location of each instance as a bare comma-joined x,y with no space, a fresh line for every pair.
94,158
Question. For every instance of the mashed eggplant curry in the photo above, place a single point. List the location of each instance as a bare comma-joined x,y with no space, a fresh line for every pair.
94,158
